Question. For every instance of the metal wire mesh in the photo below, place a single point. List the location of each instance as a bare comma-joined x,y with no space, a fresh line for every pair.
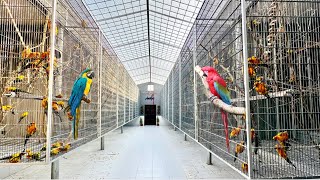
187,86
283,45
79,44
285,36
22,28
175,96
170,94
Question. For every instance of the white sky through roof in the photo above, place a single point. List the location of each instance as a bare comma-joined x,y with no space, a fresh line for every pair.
125,24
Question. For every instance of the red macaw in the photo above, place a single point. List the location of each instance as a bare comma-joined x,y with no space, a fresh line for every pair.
218,88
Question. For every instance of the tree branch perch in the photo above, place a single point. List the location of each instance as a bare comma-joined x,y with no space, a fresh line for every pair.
218,102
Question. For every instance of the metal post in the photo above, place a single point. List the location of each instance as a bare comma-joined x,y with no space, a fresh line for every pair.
172,109
209,158
174,128
100,87
185,136
246,85
121,129
50,84
55,169
195,83
180,95
102,142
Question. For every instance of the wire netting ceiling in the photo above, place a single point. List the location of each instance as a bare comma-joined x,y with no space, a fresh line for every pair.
147,35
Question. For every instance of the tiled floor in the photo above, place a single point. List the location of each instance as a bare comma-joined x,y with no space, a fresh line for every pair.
148,152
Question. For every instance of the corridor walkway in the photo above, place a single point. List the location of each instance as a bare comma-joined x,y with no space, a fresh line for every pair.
148,152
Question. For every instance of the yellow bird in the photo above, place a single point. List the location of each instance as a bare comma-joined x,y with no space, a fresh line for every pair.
54,151
244,167
235,132
26,53
281,136
31,155
57,144
261,87
23,115
65,147
239,149
6,108
19,79
282,153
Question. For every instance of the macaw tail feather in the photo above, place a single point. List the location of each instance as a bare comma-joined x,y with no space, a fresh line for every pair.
76,120
224,116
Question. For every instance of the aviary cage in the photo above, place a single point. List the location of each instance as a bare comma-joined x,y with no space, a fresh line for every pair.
44,46
281,55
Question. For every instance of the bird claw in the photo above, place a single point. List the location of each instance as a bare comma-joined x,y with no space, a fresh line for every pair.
85,99
212,97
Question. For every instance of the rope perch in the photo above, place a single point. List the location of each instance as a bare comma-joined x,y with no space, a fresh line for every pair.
216,101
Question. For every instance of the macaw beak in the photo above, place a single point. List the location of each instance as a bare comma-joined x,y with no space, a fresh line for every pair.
205,73
90,74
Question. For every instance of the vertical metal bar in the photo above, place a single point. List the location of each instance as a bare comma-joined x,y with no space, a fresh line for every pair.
246,85
180,93
121,129
168,95
100,86
117,104
185,136
50,84
102,143
55,169
172,109
194,55
209,158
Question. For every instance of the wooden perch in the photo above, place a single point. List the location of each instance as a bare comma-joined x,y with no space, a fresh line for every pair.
218,102
14,23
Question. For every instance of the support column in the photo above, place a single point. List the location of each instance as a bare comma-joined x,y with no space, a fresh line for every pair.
246,85
55,169
194,55
209,157
102,143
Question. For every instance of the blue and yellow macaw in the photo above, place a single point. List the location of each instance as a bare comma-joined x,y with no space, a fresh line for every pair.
80,90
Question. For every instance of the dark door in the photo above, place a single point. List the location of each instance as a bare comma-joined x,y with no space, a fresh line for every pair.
150,114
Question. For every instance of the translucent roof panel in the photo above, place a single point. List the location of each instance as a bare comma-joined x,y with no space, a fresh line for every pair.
147,35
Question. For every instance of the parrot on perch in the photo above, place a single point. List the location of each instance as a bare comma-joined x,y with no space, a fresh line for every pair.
244,167
235,132
239,149
14,158
23,115
31,129
80,90
281,150
261,87
282,138
218,88
32,155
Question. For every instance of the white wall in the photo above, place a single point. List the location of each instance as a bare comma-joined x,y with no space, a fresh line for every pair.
143,94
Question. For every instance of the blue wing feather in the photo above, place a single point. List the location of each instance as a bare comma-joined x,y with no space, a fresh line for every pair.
77,94
223,93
